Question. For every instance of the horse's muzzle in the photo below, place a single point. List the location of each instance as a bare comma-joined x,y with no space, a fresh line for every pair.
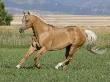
21,30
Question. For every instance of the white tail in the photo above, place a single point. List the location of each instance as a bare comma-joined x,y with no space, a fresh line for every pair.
91,39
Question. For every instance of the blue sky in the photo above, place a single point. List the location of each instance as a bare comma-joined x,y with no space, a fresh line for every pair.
86,7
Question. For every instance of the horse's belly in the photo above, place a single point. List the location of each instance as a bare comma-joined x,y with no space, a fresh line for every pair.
58,47
61,40
60,44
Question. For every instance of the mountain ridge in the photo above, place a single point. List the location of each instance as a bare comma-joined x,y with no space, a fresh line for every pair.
79,7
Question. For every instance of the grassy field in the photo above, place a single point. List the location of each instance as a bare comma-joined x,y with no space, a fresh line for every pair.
85,67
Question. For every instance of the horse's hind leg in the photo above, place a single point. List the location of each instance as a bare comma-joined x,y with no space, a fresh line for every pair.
29,52
66,55
70,56
72,50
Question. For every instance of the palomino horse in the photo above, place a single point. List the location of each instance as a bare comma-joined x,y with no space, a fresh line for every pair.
50,38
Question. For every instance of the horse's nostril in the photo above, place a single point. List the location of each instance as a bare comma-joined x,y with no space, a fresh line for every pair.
21,30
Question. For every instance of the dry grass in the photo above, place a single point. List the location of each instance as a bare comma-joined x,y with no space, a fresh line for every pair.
10,36
103,34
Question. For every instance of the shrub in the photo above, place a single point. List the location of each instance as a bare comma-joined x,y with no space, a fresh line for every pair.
5,17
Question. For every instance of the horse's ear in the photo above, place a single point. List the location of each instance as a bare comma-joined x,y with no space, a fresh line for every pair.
28,13
24,13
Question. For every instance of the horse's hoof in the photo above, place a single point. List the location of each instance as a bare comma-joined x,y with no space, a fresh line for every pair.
56,67
38,66
59,65
18,66
65,67
59,68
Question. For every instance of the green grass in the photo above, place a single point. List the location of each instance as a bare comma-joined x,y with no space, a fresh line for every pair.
85,67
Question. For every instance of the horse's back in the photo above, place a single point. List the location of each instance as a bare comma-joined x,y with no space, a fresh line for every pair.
77,35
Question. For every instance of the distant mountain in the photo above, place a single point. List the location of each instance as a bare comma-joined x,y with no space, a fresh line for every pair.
77,7
19,11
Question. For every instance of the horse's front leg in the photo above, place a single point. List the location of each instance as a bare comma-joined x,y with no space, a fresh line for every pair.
29,52
38,56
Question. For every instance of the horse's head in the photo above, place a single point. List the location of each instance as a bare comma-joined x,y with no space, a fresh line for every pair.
26,22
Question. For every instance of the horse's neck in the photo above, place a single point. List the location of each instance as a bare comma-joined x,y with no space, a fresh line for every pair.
39,27
34,32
